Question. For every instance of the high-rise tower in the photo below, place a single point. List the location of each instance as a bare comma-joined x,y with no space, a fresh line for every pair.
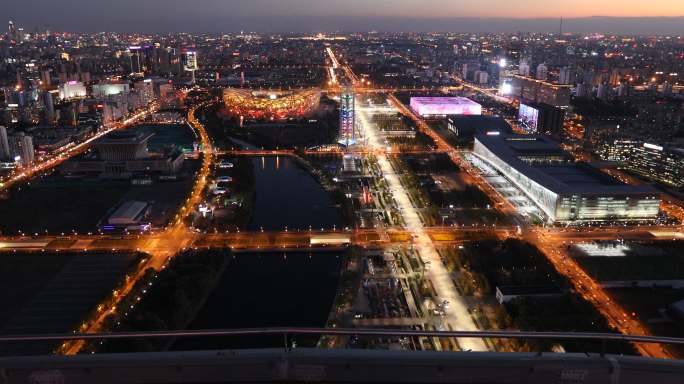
347,117
190,64
12,31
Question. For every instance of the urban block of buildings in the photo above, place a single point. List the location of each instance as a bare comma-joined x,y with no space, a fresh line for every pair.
655,162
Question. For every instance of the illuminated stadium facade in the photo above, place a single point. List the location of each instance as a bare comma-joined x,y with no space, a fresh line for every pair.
271,104
443,106
564,190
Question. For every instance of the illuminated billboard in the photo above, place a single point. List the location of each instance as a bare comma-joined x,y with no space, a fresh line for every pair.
442,106
528,117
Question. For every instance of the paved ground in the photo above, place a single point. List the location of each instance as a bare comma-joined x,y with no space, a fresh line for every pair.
66,299
457,316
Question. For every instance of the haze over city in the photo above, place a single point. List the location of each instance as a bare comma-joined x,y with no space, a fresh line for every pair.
217,16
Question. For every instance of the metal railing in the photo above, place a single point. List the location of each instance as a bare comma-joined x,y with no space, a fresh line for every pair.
287,332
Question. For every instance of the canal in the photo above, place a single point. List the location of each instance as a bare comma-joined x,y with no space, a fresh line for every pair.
275,289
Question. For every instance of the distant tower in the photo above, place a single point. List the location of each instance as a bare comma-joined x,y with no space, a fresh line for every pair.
190,63
566,75
49,106
12,31
46,77
524,67
347,117
542,72
134,56
4,144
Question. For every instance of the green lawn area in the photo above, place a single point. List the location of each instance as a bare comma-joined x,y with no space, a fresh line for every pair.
22,275
59,205
666,266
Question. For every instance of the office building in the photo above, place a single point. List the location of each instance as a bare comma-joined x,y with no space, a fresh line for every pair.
540,91
21,148
563,190
113,108
107,89
13,32
481,77
542,72
582,90
465,127
46,78
48,106
135,59
72,90
624,90
190,60
655,162
541,118
190,64
615,78
4,144
603,92
566,75
145,89
524,67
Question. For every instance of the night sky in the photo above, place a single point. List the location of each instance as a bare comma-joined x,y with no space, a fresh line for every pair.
626,16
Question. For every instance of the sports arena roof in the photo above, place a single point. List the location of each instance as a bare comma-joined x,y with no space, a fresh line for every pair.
562,177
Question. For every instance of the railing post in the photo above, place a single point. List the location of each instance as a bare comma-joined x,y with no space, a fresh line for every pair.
285,339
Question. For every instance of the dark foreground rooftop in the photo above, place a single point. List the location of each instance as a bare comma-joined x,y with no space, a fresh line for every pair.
339,366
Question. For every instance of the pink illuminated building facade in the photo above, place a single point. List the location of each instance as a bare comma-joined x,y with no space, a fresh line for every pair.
442,106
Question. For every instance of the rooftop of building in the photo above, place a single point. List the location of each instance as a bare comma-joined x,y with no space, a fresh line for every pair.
543,82
442,100
540,105
126,137
561,177
128,211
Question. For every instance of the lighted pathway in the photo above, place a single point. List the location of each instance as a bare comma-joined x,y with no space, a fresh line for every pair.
457,317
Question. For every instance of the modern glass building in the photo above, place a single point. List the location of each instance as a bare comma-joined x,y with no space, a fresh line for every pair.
443,106
564,190
652,161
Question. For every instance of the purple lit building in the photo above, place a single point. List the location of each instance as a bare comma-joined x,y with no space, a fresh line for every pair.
442,106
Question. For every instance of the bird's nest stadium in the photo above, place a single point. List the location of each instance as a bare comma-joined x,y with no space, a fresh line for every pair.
271,104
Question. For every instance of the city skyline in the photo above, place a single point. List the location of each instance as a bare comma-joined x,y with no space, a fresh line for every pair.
495,189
